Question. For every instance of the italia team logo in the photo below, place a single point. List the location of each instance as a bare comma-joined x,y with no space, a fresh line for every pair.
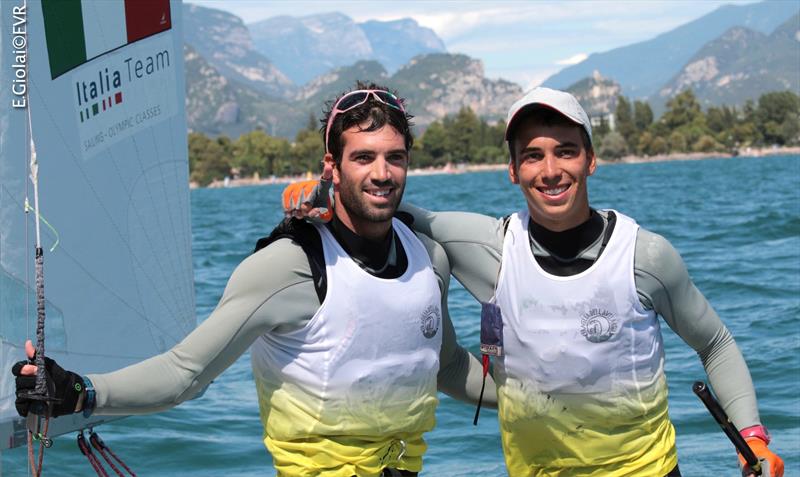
598,325
79,32
429,321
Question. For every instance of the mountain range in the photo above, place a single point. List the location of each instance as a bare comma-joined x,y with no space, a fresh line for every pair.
643,68
217,105
224,42
597,95
306,47
741,64
246,76
233,88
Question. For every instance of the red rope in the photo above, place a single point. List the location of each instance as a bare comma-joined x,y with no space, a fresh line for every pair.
42,443
31,457
87,451
41,437
101,447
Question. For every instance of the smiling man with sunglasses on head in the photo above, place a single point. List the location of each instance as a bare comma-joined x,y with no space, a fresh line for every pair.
348,322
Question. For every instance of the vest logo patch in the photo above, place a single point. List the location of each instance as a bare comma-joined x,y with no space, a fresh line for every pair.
598,325
429,321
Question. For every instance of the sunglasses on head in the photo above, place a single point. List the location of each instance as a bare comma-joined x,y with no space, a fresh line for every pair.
356,98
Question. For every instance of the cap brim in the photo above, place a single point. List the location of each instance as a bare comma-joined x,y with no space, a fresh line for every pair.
518,114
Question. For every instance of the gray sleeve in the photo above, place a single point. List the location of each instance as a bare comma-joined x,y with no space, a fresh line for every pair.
664,285
460,373
270,290
473,243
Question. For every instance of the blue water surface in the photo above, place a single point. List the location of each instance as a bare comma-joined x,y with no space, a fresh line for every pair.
736,222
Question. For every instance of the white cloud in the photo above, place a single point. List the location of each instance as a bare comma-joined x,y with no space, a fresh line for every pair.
533,80
572,60
525,77
454,20
451,24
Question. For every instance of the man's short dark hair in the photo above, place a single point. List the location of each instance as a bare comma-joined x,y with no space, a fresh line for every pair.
547,117
373,112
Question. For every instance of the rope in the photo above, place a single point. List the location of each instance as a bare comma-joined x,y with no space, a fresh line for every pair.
31,457
87,451
44,442
41,379
485,359
102,448
104,455
28,208
40,390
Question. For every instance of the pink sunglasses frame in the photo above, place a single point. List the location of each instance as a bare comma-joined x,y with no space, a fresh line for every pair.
335,111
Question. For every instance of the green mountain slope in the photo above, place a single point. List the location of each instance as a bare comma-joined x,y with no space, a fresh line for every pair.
216,105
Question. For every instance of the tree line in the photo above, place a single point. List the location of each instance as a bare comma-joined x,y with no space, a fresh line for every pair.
459,138
467,139
684,127
253,153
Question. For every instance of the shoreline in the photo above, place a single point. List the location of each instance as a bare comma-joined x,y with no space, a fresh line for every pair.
697,156
467,168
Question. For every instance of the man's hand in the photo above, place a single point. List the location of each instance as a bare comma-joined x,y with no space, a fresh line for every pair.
311,200
66,387
771,464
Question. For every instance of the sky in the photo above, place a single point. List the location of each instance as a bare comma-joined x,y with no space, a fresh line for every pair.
522,41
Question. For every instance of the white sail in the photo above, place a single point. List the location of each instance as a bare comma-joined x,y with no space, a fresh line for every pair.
106,96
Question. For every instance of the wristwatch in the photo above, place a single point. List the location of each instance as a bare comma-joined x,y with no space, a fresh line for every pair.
756,431
90,402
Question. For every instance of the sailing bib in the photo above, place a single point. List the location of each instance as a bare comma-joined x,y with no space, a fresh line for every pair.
354,390
581,387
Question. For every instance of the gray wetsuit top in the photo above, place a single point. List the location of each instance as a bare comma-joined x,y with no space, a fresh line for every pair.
474,246
271,291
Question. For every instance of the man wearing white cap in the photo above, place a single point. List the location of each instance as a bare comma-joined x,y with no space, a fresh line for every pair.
573,295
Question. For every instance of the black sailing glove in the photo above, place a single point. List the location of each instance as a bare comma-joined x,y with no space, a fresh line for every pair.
65,386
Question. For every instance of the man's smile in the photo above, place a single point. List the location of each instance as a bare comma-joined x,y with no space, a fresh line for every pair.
554,192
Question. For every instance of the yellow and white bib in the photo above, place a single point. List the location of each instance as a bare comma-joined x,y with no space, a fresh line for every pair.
354,390
581,387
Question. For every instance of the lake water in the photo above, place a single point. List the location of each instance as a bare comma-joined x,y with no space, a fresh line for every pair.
736,222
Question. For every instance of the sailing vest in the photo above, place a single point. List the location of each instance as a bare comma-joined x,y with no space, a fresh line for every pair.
581,386
353,391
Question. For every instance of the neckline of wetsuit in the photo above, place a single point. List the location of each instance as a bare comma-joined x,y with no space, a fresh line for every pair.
383,258
574,250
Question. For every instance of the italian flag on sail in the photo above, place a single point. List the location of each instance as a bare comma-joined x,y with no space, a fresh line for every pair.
78,31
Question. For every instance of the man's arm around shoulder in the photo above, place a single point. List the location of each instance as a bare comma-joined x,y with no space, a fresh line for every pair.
473,243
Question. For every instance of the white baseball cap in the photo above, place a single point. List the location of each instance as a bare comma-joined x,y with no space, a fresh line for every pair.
559,101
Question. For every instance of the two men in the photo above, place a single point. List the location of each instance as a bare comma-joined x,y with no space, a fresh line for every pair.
348,322
575,294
